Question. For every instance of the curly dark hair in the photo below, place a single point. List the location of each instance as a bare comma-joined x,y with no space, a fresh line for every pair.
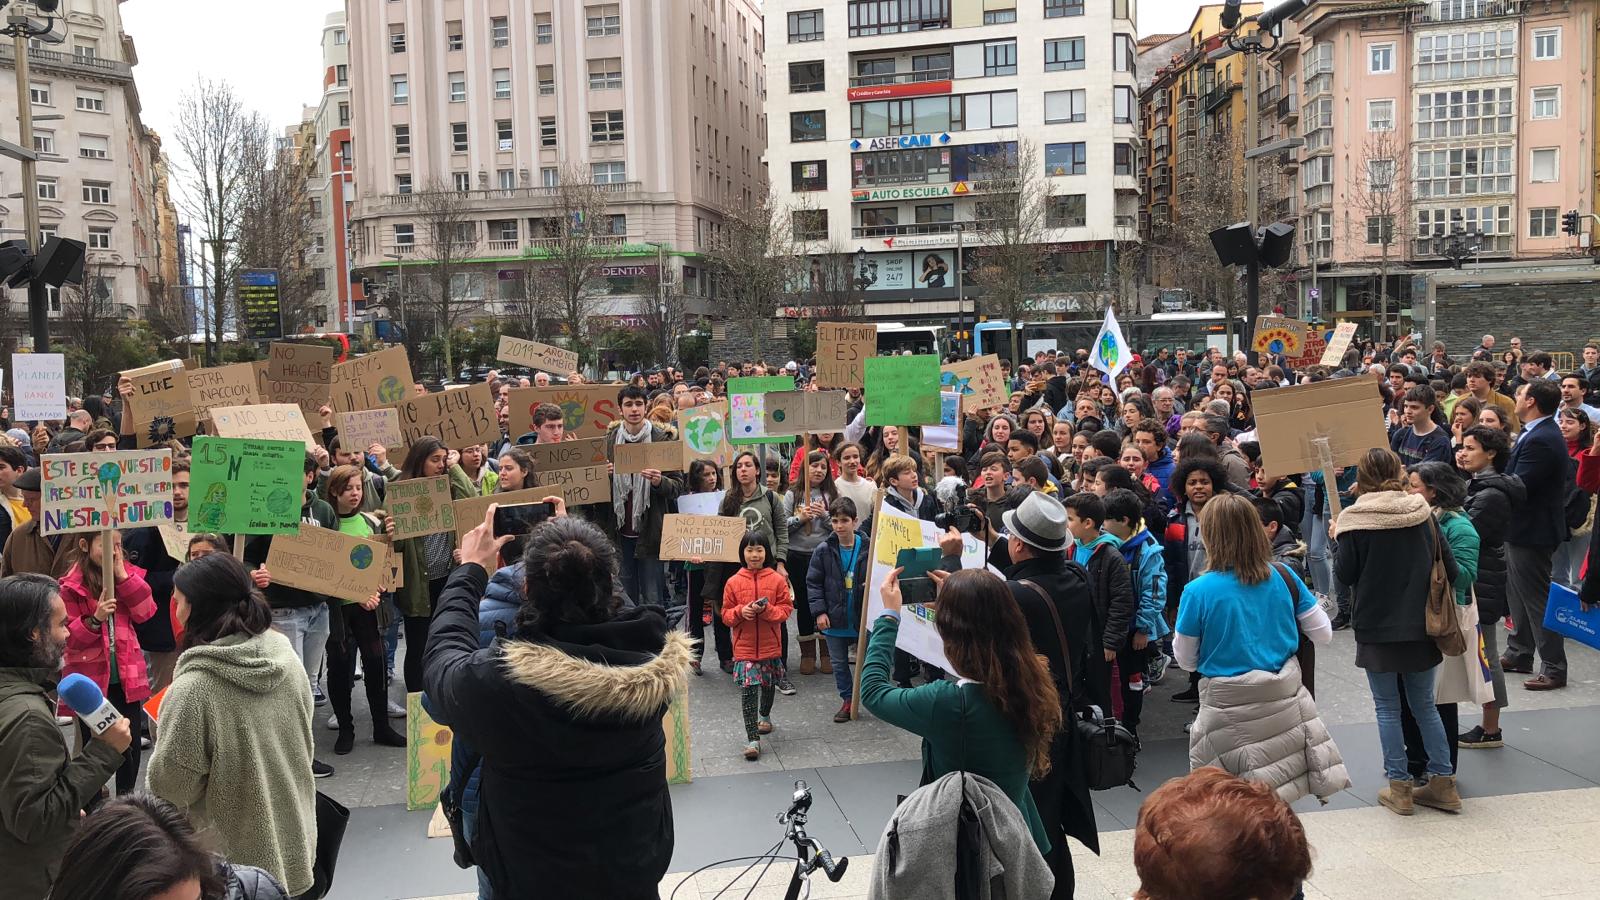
570,576
1190,464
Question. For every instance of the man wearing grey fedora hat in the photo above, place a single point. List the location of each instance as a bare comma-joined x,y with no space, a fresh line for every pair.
1039,573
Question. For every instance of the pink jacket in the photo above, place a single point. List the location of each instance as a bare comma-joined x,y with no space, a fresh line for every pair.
86,649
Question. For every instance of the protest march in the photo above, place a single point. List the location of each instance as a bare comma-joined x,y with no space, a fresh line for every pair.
544,585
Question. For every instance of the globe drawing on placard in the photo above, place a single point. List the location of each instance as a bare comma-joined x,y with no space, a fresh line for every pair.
424,505
280,501
704,434
390,390
572,414
361,557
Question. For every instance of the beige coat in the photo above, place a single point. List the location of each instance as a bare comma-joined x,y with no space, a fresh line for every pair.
1263,726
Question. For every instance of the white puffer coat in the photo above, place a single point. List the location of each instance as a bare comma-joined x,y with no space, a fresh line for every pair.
1263,726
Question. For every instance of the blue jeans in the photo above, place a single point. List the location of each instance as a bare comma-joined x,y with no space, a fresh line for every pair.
641,577
307,629
1385,688
839,652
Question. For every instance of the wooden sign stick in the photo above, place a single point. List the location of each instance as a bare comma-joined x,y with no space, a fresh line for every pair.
238,547
1329,481
108,575
862,636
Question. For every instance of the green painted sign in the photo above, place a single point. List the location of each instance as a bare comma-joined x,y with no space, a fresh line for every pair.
902,390
747,409
246,486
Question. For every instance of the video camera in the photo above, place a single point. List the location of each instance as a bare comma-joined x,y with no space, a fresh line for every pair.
958,515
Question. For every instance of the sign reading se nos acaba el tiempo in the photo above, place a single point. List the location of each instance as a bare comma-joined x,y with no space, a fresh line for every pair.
909,192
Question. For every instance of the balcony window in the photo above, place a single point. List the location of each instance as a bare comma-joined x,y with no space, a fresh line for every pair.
502,84
504,134
805,25
1547,102
458,137
999,58
608,172
402,184
1065,106
500,31
506,179
1056,9
811,175
616,225
811,125
458,87
1066,159
872,17
542,32
402,140
503,230
604,20
549,176
547,131
463,181
810,224
86,50
605,74
1472,54
1063,54
98,192
91,100
1121,159
399,90
397,38
1122,104
1067,211
605,127
91,146
1465,113
1463,171
405,237
936,213
806,77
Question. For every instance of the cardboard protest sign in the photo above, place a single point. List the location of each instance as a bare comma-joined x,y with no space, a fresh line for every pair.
804,412
395,570
233,385
675,727
703,504
903,390
1346,411
246,485
1279,336
325,561
893,531
567,454
1315,347
978,380
747,409
535,355
310,396
711,538
460,418
842,347
578,487
587,410
705,434
367,382
160,407
1343,334
38,387
428,749
663,456
305,363
267,421
104,491
175,539
361,429
420,506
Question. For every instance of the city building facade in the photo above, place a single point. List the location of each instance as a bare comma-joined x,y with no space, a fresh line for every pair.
330,184
888,118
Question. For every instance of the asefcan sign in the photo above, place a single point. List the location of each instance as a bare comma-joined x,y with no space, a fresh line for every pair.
900,142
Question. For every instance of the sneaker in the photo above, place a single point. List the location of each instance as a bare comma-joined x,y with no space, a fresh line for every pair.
764,725
1340,623
1478,739
1157,669
345,742
320,769
396,711
843,715
333,723
785,688
752,750
1189,695
317,697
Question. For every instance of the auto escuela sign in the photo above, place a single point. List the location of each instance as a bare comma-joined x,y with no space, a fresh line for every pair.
908,192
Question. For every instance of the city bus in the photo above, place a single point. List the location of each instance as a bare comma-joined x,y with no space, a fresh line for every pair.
1195,331
895,337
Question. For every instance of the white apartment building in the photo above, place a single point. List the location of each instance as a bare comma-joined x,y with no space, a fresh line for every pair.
658,101
884,112
98,170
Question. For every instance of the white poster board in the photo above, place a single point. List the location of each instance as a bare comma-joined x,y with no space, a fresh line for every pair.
702,504
893,531
39,383
1045,345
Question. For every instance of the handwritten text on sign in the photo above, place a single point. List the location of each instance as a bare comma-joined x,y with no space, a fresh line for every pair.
567,454
268,421
361,429
305,363
39,383
586,410
233,385
536,355
841,348
325,561
102,491
711,538
459,418
662,456
420,506
246,485
590,484
367,382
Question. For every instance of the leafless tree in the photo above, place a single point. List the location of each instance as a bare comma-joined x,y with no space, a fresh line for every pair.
92,327
217,138
569,255
754,254
1381,196
449,235
275,230
1010,231
831,283
169,313
1210,192
664,309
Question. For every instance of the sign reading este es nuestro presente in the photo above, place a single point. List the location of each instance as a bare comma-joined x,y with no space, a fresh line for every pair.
711,538
420,506
104,491
535,355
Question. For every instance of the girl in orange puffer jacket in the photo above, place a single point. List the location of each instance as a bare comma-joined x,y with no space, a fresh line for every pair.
756,602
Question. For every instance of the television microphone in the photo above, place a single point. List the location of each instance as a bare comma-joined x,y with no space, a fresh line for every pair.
84,697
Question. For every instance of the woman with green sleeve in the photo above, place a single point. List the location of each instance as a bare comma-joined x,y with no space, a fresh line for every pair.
998,719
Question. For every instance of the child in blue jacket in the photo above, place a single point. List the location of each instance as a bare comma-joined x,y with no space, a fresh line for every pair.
835,584
1148,571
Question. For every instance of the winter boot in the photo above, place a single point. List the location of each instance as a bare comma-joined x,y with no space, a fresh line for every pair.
824,661
383,734
808,656
1398,797
1440,793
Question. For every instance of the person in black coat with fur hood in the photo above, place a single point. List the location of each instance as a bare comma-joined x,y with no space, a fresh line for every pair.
566,712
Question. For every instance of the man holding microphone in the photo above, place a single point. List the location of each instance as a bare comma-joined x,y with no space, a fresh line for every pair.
42,787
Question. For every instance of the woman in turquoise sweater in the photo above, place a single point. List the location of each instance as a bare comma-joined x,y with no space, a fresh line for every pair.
999,718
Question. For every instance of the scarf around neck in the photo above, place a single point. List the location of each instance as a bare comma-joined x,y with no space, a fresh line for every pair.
634,485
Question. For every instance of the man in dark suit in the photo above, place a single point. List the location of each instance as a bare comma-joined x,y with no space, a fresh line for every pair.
1540,459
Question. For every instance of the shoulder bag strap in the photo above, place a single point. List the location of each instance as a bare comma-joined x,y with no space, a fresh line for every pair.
1061,632
1283,575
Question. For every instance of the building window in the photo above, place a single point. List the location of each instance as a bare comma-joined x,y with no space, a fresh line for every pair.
91,100
550,176
806,77
97,192
1063,54
39,93
1380,175
86,49
605,74
805,25
506,179
871,17
1547,102
1462,171
810,224
316,207
1066,159
340,38
1380,230
463,181
605,127
999,16
402,184
935,213
93,146
1465,113
1473,54
458,137
1055,9
1121,9
405,237
1542,222
999,58
399,90
99,238
402,140
345,159
811,175
811,125
1121,159
452,38
458,87
500,31
1492,224
1380,59
608,172
344,115
397,38
880,217
1542,167
604,20
1380,115
502,84
341,76
543,34
1067,211
617,224
503,134
547,131
1122,53
1547,43
1064,106
44,143
547,80
1122,104
503,230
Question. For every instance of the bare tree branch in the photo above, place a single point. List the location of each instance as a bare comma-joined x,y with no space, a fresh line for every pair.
274,229
754,254
569,254
1382,196
449,235
1010,229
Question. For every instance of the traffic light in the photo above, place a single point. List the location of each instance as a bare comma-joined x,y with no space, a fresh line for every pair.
1569,223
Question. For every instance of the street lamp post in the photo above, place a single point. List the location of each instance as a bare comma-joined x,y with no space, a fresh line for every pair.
1459,244
961,286
400,297
22,28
